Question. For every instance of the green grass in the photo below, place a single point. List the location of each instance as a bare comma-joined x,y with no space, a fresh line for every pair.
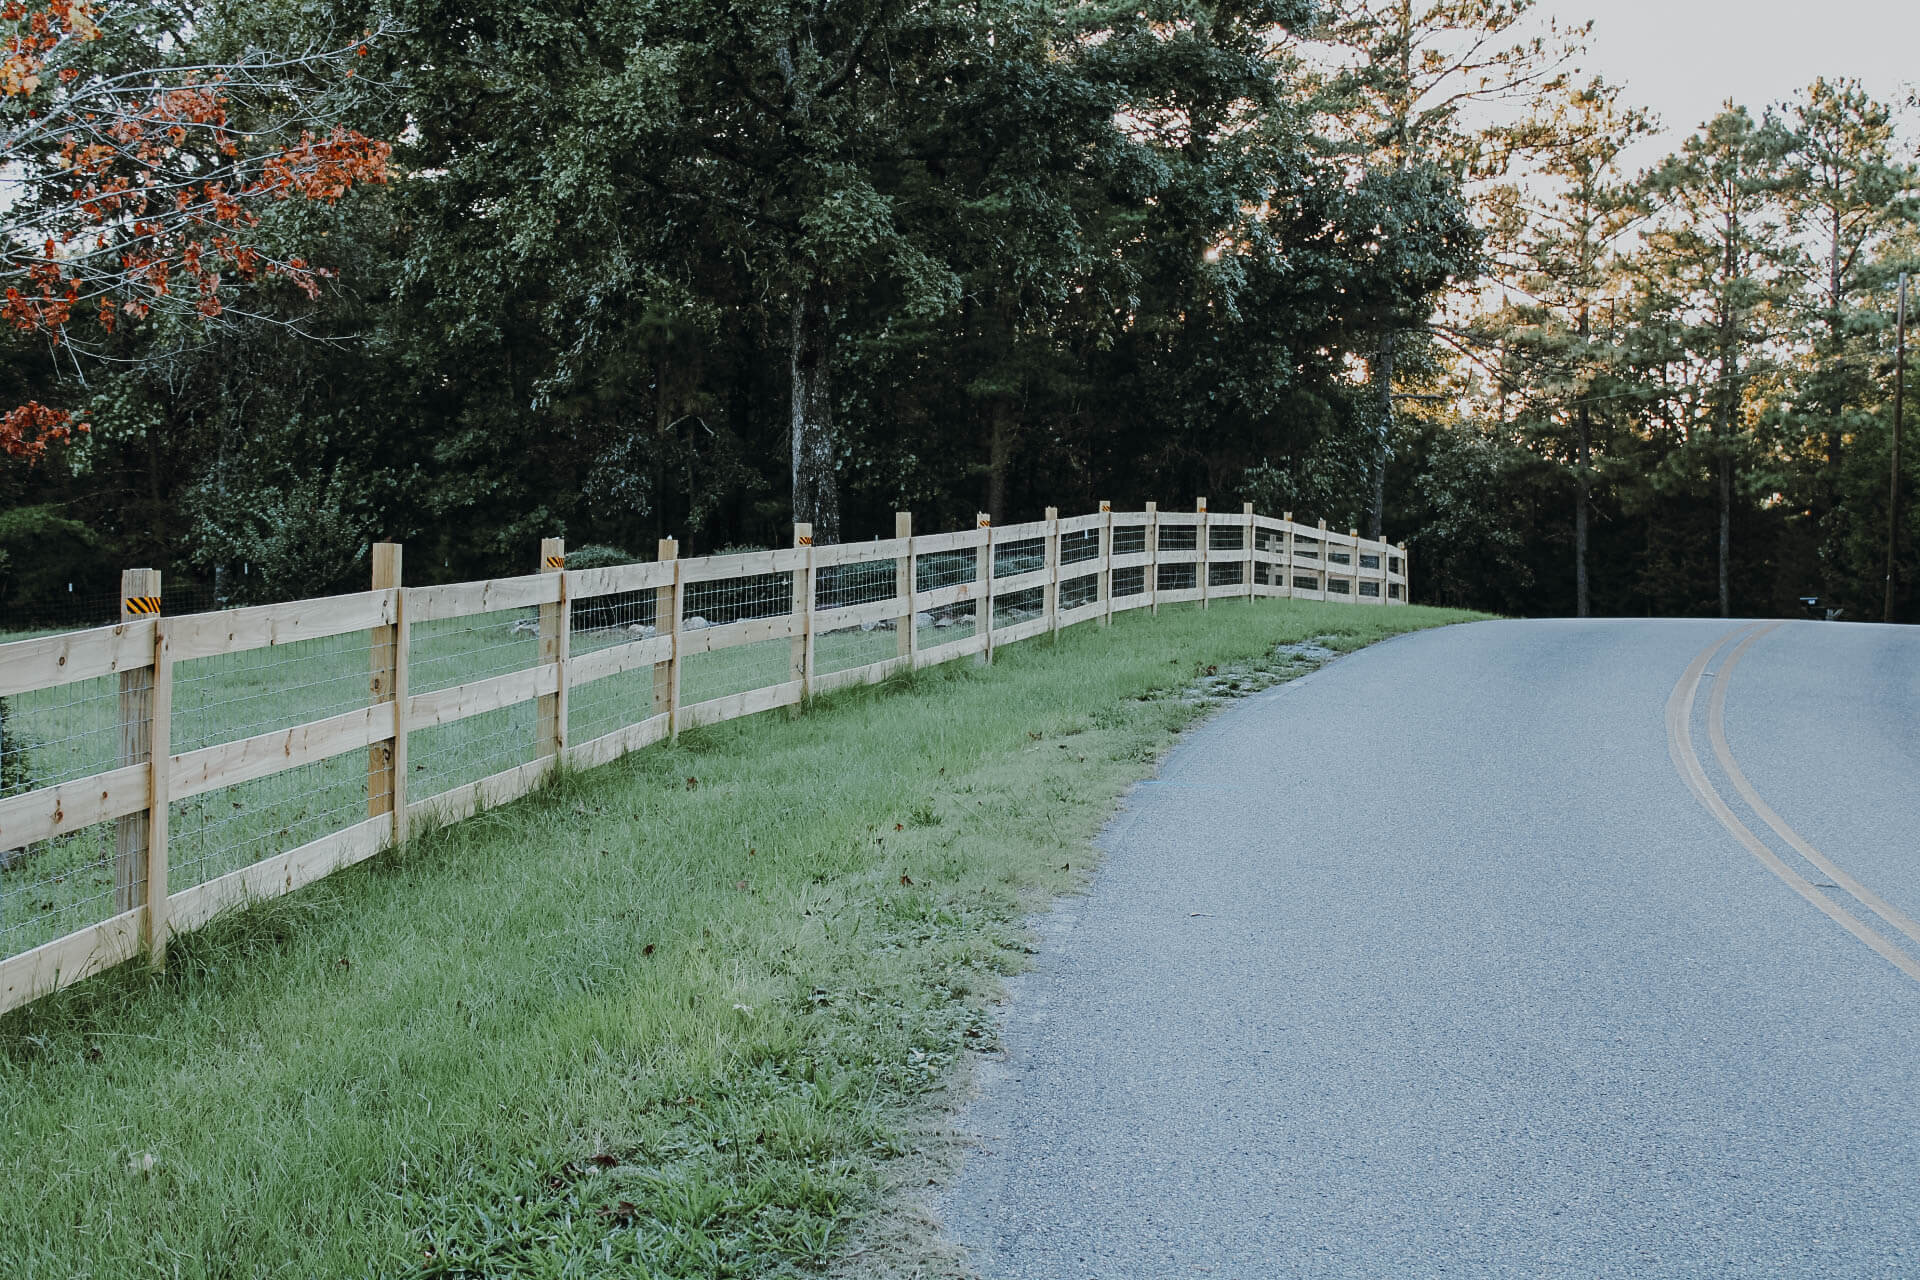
669,1018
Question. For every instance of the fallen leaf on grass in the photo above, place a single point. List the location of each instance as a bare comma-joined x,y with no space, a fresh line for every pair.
622,1214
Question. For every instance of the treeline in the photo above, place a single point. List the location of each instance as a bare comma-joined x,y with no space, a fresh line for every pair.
699,269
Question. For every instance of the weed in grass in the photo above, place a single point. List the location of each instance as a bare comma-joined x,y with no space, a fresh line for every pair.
558,1040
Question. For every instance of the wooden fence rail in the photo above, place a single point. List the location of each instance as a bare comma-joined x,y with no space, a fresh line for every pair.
169,768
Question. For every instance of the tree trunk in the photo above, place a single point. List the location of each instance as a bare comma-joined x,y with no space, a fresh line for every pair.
816,486
1383,431
1582,489
1726,530
999,457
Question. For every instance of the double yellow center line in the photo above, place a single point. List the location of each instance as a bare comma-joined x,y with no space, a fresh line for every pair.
1680,706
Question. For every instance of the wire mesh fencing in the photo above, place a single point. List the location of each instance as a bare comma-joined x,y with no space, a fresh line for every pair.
284,727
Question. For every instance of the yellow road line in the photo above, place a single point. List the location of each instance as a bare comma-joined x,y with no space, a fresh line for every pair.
1687,761
1717,734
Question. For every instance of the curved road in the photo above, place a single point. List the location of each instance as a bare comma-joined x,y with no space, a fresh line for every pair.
1468,956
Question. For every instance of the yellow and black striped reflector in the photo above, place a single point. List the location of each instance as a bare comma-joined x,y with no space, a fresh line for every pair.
556,562
142,604
805,540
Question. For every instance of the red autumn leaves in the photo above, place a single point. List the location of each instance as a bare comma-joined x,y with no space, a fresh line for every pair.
145,193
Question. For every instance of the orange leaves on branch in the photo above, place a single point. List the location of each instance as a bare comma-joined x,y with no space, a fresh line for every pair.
146,194
26,432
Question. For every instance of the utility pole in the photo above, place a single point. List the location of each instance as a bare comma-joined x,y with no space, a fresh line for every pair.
1893,482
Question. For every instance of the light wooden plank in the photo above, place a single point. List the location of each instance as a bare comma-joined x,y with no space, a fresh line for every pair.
477,697
742,564
612,660
939,653
609,747
230,763
1005,533
205,635
1131,560
584,584
1020,581
1180,557
476,797
1080,524
734,634
1082,612
464,599
64,961
1180,596
52,811
1022,631
51,661
871,673
752,702
957,540
943,597
280,874
1138,600
855,615
859,552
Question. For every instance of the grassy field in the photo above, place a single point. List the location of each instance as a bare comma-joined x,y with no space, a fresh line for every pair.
670,1018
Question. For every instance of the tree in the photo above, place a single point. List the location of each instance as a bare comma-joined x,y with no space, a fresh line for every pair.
1573,212
1710,285
1407,72
142,173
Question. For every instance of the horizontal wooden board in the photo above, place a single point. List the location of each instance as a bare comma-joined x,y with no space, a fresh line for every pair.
1179,557
584,584
942,597
856,552
476,797
1019,532
611,746
477,697
855,615
597,664
81,802
871,673
205,635
1078,524
735,634
48,662
1180,596
464,599
958,540
934,655
736,705
1136,601
230,763
1021,631
65,961
280,874
1022,581
1082,613
743,564
1130,560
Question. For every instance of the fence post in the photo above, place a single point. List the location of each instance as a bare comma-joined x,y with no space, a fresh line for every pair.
1325,560
139,598
1202,538
1152,583
1052,545
1106,563
801,652
551,736
907,573
666,622
1286,551
1406,574
1353,565
160,757
1246,512
387,761
983,570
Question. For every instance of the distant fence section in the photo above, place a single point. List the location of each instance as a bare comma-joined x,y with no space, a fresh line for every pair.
156,773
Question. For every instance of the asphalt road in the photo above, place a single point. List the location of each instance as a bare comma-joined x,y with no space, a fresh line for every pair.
1434,963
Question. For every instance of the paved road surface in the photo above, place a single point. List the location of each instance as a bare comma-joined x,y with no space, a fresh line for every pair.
1435,964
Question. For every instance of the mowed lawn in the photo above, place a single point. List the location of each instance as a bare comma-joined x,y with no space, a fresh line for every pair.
668,1018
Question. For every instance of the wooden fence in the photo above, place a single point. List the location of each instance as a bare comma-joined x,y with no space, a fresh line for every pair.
163,770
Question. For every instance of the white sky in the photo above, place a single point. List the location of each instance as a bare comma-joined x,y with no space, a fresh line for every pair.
1683,58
